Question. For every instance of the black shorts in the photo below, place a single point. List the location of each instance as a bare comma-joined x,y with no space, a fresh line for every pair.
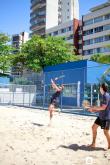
104,124
54,102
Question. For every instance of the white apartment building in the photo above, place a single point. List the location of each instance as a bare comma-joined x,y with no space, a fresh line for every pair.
46,14
96,30
67,10
68,22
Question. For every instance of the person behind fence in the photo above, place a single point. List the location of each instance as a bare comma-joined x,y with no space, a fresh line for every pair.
103,119
55,96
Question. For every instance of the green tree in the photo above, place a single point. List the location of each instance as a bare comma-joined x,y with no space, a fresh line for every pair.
96,57
105,78
105,59
42,52
5,53
101,58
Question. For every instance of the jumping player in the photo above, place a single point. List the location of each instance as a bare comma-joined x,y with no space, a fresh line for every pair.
55,96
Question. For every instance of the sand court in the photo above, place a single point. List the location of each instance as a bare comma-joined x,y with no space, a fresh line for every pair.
26,139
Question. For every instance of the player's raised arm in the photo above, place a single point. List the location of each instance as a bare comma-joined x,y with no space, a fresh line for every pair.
54,86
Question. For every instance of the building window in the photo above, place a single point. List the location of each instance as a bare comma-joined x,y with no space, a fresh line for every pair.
99,39
90,51
41,13
80,37
88,42
59,8
55,33
107,38
69,28
87,52
106,49
67,17
59,2
88,32
50,34
70,37
80,46
107,27
88,22
63,30
99,50
98,29
98,19
107,16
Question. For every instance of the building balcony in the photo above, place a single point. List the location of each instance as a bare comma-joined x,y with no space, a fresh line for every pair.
37,17
37,26
39,32
39,4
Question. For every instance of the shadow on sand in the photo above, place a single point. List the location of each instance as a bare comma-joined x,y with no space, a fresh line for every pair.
76,147
37,124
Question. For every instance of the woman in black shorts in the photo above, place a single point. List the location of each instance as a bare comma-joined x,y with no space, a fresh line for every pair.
103,120
53,102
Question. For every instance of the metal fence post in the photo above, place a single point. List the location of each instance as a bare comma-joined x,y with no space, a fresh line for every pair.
98,100
13,96
62,92
91,94
43,90
29,97
78,94
43,96
23,95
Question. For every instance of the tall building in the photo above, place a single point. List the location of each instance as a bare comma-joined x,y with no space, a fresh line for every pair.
19,39
96,30
46,14
61,18
67,10
68,22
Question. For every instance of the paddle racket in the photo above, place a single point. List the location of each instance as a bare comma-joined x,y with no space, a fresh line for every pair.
86,104
60,77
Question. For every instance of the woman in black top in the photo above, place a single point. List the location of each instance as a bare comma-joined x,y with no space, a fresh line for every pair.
53,102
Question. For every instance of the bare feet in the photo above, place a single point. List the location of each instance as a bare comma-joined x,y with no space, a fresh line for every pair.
50,124
92,146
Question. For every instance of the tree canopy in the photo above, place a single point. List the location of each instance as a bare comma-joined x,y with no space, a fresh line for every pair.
5,53
42,52
101,58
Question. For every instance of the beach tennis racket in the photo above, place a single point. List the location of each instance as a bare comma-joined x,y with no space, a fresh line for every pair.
60,77
86,104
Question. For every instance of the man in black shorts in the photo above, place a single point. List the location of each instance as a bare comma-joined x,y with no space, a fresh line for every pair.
53,102
103,120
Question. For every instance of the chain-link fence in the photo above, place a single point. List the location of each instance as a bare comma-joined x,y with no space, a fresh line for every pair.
39,96
24,95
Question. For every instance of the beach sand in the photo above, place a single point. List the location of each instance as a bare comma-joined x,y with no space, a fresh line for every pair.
26,139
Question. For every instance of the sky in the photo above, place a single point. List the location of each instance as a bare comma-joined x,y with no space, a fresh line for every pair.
15,14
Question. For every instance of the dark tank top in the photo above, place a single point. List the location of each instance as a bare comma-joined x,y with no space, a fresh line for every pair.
55,95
